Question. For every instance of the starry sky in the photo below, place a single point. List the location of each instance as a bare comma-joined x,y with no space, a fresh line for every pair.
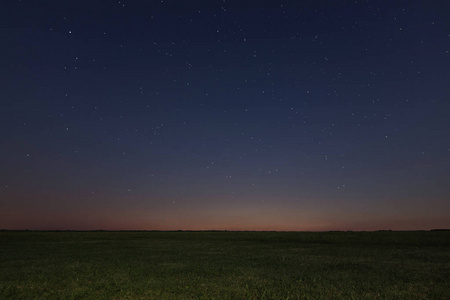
224,115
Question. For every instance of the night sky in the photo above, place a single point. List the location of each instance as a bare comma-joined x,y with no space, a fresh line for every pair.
224,115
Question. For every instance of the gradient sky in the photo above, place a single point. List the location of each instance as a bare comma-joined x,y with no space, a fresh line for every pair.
237,115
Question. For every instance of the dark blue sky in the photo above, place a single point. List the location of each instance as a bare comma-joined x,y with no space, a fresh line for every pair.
239,115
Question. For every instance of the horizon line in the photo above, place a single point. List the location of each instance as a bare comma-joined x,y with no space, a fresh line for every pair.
214,230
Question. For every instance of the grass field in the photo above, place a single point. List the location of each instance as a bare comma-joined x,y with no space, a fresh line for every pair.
225,265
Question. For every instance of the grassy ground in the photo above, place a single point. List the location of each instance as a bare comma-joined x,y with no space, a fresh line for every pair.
225,265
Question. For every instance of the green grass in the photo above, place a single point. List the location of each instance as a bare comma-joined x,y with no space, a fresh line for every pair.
225,265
